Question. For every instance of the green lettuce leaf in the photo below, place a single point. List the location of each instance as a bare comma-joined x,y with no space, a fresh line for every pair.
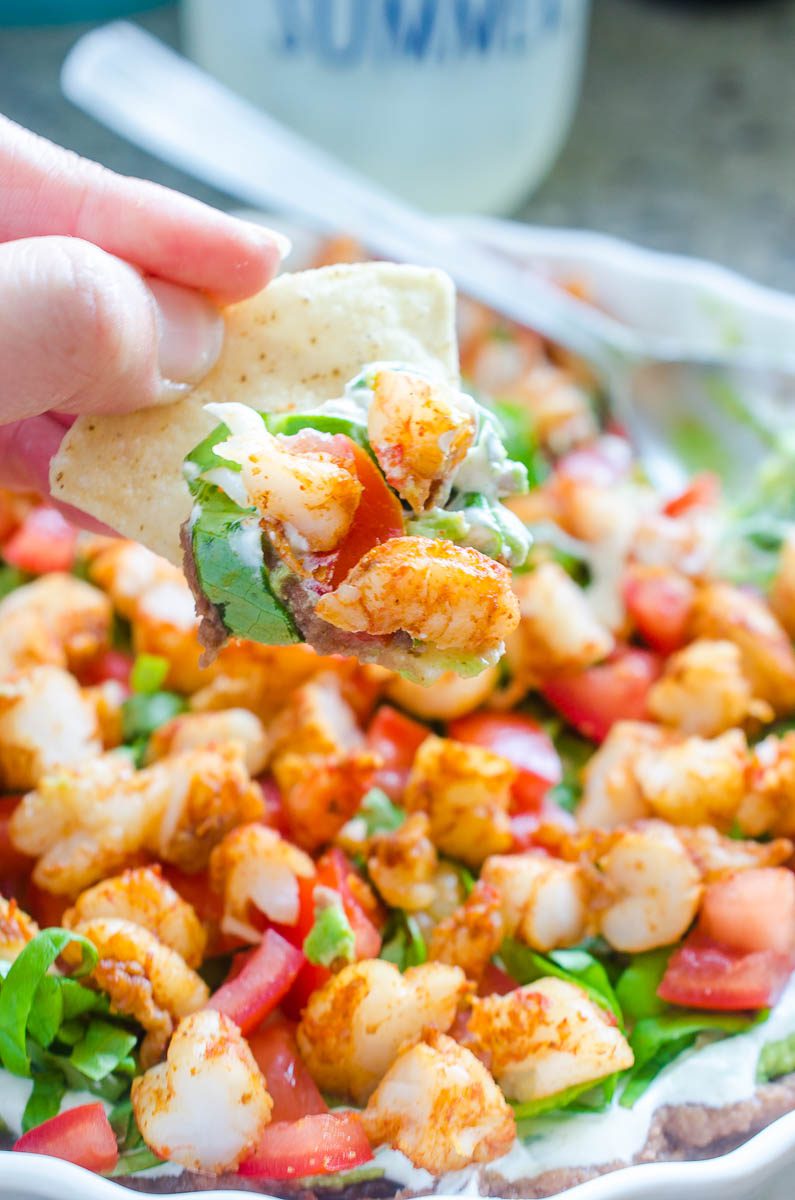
18,997
776,1058
636,988
44,1101
102,1049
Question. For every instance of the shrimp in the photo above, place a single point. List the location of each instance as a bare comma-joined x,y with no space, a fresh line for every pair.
305,498
354,1026
143,897
420,432
210,1072
716,856
127,571
166,624
16,929
544,1038
143,979
438,1105
557,629
724,612
611,794
544,900
320,797
562,411
254,865
86,822
316,723
466,792
697,781
471,935
45,721
57,619
402,864
452,597
769,804
703,690
107,701
653,888
195,731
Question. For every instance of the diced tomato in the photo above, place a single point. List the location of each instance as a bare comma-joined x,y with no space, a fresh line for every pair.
601,464
275,815
266,977
704,974
496,982
81,1135
537,830
396,738
334,871
379,515
752,910
524,743
318,1145
113,664
292,1089
45,541
703,491
659,601
615,690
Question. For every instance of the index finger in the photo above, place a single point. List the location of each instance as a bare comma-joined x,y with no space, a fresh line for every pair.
49,190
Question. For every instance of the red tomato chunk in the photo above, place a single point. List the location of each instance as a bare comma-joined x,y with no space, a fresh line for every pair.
80,1135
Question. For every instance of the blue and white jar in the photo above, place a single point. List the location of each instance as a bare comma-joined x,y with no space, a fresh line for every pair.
458,105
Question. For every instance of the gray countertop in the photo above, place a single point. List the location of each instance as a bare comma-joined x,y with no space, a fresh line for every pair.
684,139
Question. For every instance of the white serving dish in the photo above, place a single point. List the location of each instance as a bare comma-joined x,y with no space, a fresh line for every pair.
707,305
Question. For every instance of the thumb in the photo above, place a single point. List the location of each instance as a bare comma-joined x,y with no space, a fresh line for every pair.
82,331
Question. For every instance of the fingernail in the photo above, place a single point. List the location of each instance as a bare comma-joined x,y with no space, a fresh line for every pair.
191,333
265,234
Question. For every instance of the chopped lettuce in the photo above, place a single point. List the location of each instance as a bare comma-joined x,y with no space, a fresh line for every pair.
636,989
657,1041
593,1096
403,943
331,938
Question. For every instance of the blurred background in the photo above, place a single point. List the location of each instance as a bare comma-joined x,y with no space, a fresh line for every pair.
669,123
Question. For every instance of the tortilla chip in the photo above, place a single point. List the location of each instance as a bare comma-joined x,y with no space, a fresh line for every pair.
291,347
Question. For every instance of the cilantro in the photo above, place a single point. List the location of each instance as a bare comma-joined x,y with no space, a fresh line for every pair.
403,942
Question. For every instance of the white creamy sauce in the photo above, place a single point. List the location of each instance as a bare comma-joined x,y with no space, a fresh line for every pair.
231,483
14,1094
247,544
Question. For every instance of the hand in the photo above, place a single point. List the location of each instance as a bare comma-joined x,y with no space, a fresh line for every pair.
108,293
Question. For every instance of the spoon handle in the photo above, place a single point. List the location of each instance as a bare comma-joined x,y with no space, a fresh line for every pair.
136,85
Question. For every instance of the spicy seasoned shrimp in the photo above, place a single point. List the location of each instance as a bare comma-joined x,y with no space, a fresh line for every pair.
254,865
450,596
209,1071
769,804
697,781
86,822
722,611
466,792
16,929
653,888
355,1024
195,731
717,857
471,935
401,864
127,571
544,900
557,629
545,1037
316,722
143,978
45,721
420,432
57,619
562,411
445,698
611,794
704,691
143,896
306,498
438,1105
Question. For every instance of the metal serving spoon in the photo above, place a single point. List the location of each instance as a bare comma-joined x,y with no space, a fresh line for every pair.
734,406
